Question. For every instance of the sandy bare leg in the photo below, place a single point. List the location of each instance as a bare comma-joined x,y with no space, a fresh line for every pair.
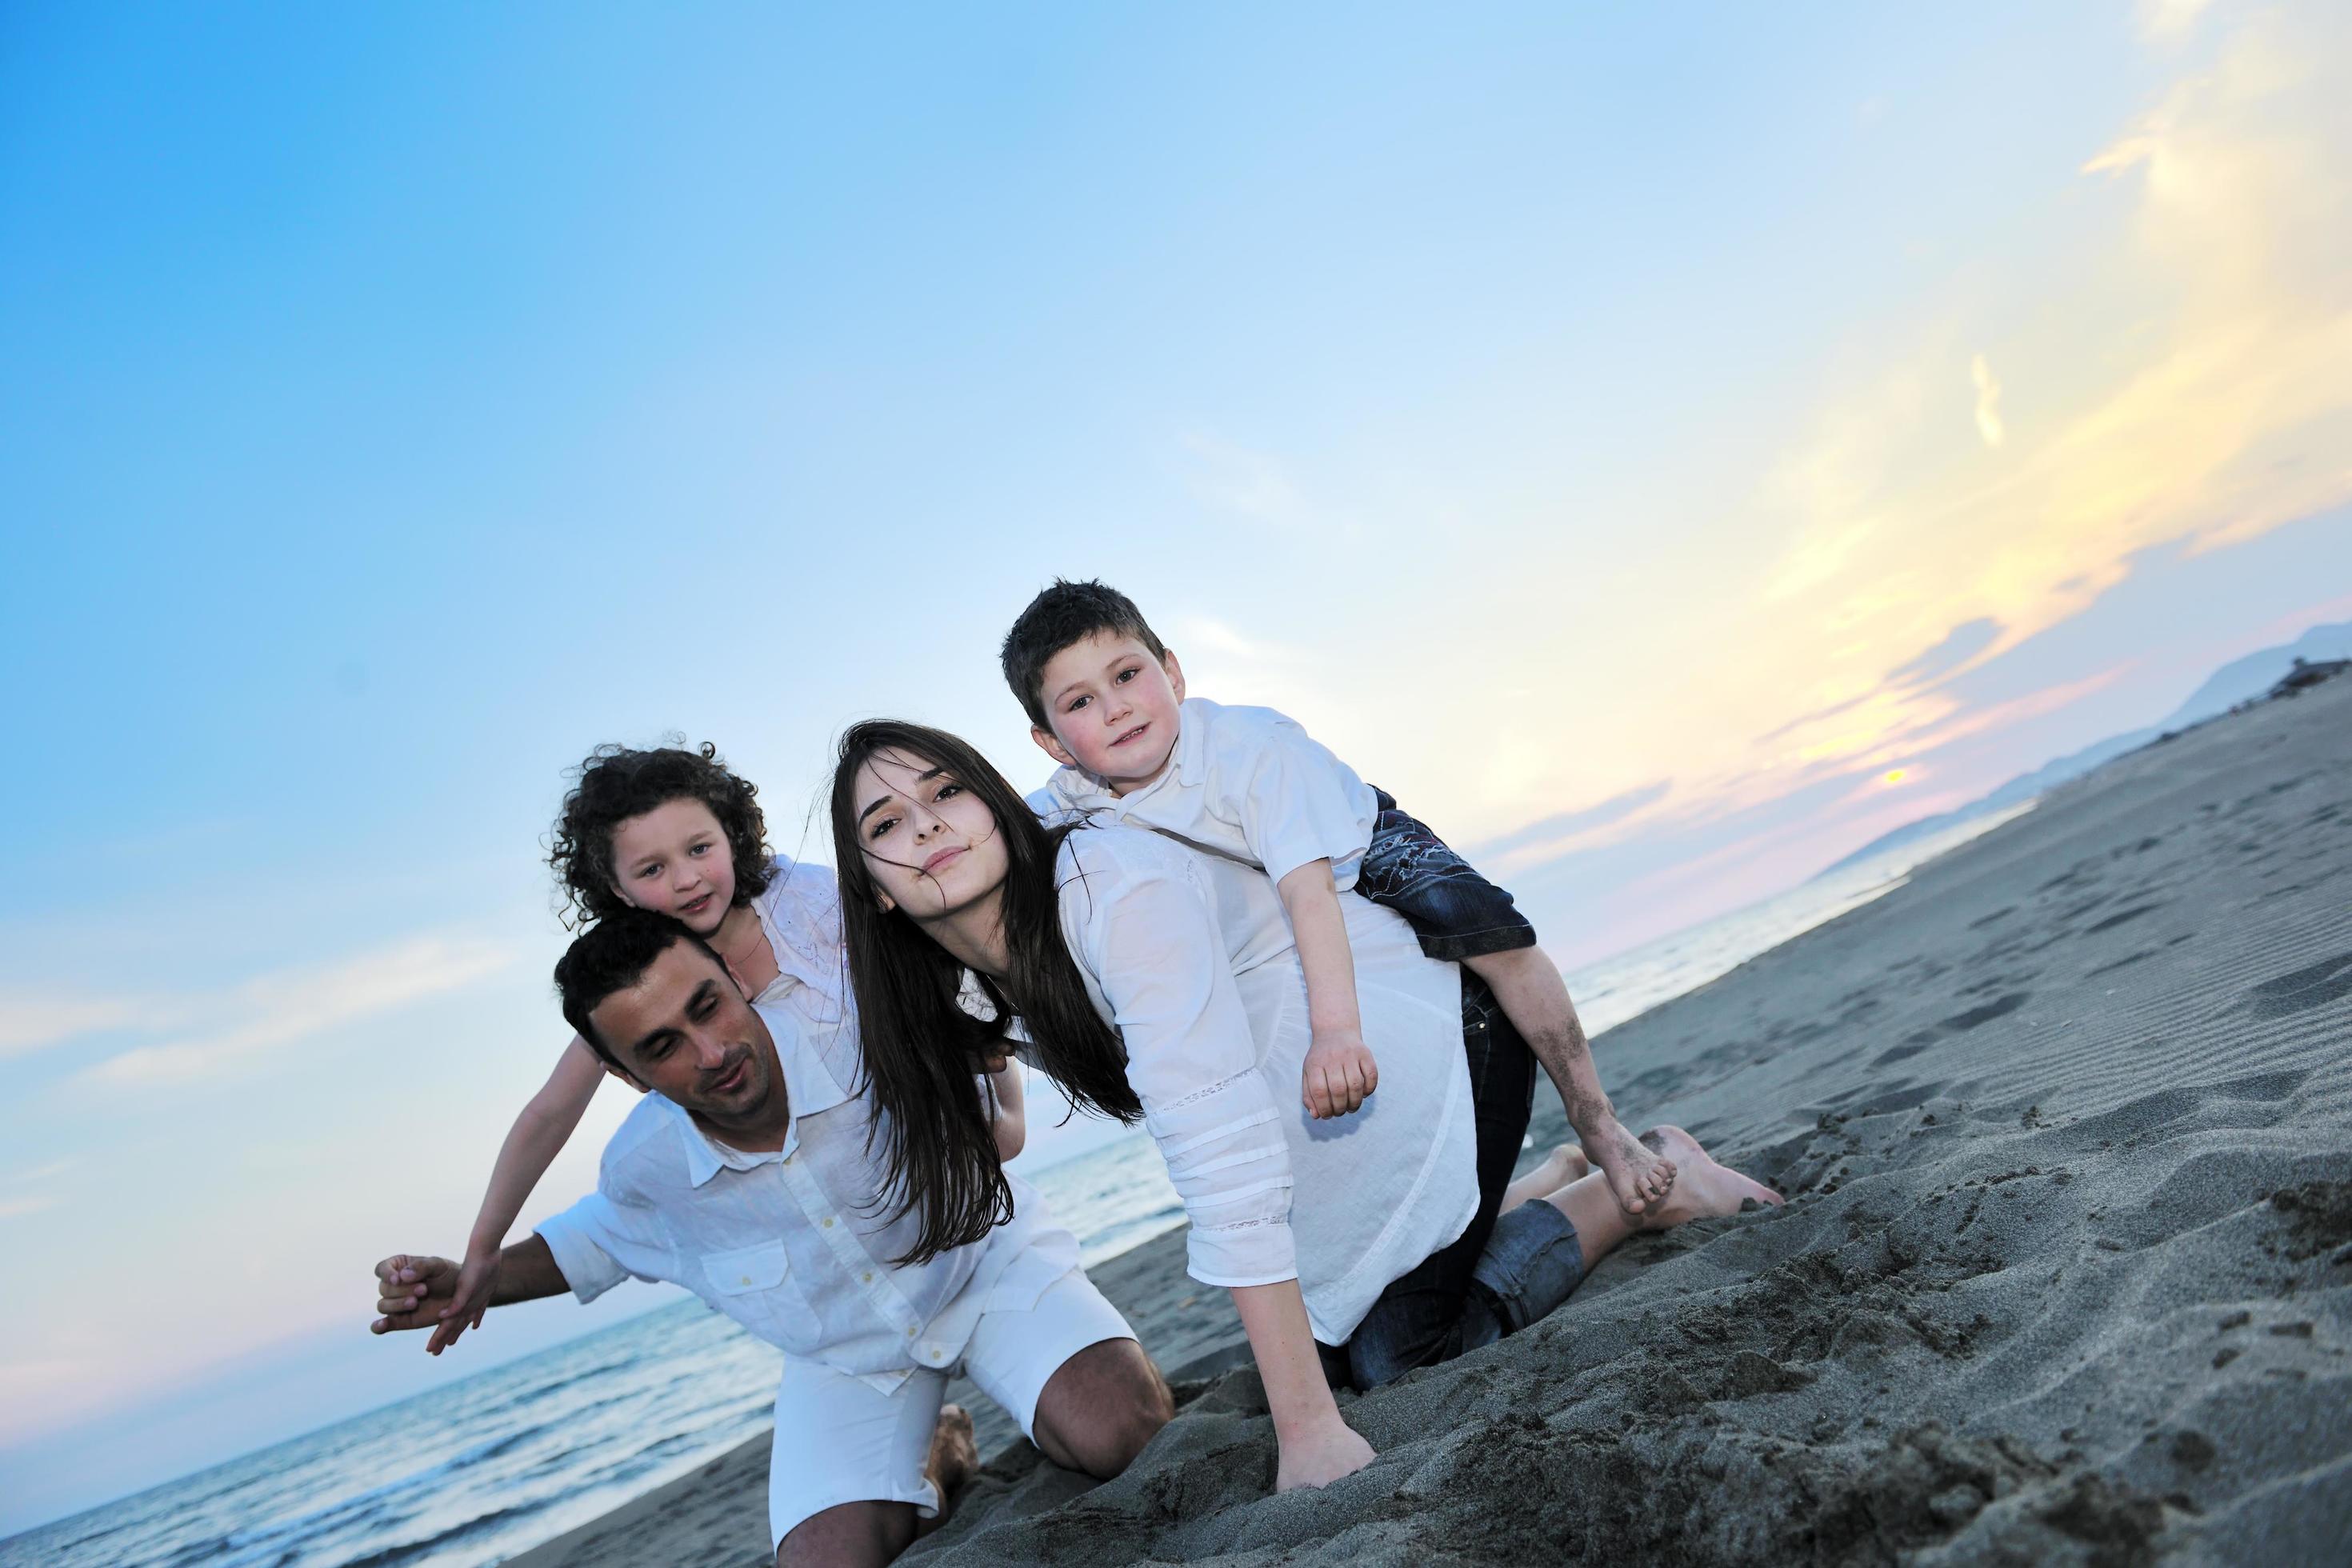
1535,999
1563,1165
1703,1189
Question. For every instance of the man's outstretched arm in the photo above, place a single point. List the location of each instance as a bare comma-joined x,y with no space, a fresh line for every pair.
411,1289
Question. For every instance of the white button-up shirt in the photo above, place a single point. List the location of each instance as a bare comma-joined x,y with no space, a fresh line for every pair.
1245,783
1190,956
793,1244
800,914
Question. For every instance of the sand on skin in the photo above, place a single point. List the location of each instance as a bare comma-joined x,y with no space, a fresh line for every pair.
2065,1275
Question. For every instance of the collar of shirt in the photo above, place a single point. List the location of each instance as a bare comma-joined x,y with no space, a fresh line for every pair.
1187,762
809,1087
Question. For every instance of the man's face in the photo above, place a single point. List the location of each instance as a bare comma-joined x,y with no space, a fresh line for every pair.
683,1031
1112,706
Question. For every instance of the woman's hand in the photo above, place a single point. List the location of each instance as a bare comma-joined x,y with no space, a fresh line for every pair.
1325,1451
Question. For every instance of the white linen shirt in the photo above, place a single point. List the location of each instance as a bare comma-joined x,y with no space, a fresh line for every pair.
1246,783
792,1244
800,914
1191,956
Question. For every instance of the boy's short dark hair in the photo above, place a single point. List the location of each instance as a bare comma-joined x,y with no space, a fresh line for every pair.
613,955
1065,614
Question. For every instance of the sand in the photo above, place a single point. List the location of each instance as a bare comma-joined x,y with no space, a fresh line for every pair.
2065,1275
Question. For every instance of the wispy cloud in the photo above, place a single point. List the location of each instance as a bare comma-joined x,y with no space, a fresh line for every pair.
16,1202
2208,424
1959,645
2165,21
33,1020
1988,424
282,1009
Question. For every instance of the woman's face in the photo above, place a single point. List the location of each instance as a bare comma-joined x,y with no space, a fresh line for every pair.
674,860
930,844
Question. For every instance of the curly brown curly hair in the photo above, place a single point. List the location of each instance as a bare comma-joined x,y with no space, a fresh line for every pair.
617,783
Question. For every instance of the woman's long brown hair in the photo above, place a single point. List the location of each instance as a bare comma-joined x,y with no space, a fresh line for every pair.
921,1046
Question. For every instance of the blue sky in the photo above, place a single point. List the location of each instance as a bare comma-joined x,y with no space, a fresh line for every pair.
1668,448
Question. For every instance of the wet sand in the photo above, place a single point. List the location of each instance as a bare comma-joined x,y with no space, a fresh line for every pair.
2065,1275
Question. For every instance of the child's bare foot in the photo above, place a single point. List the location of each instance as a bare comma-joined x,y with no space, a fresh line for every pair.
1564,1164
1703,1189
954,1455
1640,1176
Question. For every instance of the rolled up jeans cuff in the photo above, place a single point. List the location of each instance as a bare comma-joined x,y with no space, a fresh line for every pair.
1531,1264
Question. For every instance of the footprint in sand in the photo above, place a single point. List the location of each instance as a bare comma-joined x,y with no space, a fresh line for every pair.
2329,979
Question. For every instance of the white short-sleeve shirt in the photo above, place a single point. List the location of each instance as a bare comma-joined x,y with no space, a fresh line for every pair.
793,1244
1246,783
1191,956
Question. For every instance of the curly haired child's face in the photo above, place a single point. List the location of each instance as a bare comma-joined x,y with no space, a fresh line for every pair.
674,860
1113,708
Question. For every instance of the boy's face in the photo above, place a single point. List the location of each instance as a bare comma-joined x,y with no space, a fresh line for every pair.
1112,707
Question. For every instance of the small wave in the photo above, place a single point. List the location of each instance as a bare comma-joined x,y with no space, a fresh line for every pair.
416,1551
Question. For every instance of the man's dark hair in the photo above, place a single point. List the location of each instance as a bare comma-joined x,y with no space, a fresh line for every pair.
613,955
1065,614
617,783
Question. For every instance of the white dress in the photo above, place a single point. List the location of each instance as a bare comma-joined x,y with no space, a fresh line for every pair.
1190,956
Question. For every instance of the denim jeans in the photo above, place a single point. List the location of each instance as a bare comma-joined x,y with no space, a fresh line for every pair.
1498,1276
1454,912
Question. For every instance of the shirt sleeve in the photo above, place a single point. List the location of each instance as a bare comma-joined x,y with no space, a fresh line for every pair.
1162,964
1294,801
598,1242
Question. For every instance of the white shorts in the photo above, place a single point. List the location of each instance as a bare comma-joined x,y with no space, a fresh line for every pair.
839,1439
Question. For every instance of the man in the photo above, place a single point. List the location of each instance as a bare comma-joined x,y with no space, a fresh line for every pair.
746,1178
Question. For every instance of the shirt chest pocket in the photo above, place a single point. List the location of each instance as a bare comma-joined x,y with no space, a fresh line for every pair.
754,1285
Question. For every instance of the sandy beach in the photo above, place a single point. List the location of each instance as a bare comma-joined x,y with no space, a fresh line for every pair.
2065,1275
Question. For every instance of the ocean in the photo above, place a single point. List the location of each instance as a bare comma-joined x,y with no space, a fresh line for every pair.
522,1453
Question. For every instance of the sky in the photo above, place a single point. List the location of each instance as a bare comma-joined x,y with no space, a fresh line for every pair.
1664,449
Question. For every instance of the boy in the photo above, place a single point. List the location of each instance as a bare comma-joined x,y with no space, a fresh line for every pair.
1105,699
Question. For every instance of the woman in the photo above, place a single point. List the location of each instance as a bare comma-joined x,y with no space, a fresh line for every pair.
1150,985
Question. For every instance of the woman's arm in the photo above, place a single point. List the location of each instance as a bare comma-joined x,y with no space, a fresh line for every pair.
1151,937
1006,1109
538,1136
1314,1445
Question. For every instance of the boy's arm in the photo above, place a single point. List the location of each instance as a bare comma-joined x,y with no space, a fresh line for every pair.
538,1136
1341,1070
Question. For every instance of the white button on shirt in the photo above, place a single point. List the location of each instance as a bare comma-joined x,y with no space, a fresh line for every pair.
1242,782
793,1244
1191,956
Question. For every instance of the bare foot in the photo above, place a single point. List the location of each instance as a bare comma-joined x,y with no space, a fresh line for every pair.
1703,1189
954,1455
1640,1176
1564,1164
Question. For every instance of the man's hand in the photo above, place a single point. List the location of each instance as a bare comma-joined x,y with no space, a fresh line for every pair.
1339,1073
411,1291
476,1278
